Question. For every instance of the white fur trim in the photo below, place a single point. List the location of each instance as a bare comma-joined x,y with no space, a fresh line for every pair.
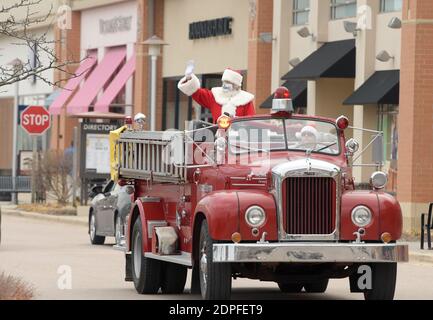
241,99
190,87
233,77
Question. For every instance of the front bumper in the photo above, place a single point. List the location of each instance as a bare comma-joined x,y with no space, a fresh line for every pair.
310,253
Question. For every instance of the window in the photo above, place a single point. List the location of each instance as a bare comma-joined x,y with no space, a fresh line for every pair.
301,11
343,9
390,5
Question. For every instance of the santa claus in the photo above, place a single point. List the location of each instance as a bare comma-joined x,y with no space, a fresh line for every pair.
228,99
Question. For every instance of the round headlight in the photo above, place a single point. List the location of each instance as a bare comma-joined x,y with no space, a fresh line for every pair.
378,180
255,216
361,216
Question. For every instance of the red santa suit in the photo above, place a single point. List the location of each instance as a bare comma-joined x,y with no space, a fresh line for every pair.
239,103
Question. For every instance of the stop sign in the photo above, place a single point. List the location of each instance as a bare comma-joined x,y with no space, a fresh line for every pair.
35,120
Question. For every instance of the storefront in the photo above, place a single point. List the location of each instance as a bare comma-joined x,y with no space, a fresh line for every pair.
215,36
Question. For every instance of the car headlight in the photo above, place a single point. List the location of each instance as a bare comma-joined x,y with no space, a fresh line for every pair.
378,180
255,216
361,216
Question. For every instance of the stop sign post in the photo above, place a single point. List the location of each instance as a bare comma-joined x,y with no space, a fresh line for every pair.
35,120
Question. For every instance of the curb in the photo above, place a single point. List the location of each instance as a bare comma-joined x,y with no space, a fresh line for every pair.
419,257
38,216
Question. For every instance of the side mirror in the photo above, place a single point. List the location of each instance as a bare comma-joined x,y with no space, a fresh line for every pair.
220,150
352,146
95,190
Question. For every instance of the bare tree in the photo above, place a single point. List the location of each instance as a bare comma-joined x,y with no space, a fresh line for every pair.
54,171
20,31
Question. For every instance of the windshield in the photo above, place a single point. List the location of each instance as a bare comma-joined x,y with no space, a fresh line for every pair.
266,135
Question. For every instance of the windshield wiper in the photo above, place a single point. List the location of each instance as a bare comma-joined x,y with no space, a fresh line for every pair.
250,148
325,147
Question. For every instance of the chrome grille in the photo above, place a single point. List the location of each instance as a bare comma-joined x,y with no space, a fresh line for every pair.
309,205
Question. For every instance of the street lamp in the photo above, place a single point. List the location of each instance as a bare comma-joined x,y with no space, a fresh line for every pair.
17,66
155,44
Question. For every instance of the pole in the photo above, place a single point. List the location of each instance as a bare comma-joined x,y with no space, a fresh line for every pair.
34,167
153,95
75,167
14,144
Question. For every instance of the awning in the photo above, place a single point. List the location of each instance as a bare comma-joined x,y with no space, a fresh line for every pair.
116,85
383,87
332,60
298,88
97,80
84,68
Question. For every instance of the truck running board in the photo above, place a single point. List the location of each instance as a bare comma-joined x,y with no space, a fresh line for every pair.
184,258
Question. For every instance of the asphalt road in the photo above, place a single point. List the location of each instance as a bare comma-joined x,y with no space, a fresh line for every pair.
45,253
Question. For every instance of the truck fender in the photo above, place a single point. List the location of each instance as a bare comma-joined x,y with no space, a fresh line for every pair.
221,210
148,210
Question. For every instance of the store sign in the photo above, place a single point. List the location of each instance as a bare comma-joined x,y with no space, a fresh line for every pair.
117,24
210,28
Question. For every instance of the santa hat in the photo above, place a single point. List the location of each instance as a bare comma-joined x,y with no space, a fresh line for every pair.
232,76
308,129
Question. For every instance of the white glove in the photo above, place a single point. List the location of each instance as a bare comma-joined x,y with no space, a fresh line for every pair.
189,69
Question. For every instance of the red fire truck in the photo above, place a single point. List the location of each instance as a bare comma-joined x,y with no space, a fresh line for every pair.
268,197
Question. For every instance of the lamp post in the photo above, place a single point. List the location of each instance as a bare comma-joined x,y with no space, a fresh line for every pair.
17,65
155,44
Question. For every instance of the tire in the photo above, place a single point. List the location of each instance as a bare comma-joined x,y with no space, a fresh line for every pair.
118,230
290,287
215,278
174,278
384,278
146,273
94,238
317,286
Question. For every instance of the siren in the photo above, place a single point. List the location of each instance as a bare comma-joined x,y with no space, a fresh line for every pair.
282,103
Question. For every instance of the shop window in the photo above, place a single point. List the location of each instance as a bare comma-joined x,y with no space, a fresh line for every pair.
301,12
341,9
391,5
388,123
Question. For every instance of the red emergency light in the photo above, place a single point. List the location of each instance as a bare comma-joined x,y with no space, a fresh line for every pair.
282,103
342,122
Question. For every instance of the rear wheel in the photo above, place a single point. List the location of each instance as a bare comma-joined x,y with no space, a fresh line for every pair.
146,273
174,278
384,278
215,278
290,287
317,286
94,238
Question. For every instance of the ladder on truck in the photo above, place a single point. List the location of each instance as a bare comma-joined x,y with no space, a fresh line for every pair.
153,156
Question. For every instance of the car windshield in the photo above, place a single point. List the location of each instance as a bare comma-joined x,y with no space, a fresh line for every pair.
266,135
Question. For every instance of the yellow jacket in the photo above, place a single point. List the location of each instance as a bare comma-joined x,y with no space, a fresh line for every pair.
114,156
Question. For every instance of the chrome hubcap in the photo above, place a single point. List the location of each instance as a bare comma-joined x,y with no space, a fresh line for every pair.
137,255
92,227
203,267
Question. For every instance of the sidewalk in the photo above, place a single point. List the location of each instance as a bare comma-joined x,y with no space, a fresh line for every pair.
8,209
416,255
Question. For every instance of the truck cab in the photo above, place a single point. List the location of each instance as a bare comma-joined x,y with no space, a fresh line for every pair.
268,197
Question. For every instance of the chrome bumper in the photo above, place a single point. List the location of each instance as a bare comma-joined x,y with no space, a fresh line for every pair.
310,252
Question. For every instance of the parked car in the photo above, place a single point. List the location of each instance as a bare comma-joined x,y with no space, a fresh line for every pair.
109,208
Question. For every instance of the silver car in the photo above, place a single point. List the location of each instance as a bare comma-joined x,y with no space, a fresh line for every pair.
108,213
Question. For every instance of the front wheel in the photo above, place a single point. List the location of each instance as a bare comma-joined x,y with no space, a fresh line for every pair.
290,287
94,238
146,273
383,281
215,278
317,286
